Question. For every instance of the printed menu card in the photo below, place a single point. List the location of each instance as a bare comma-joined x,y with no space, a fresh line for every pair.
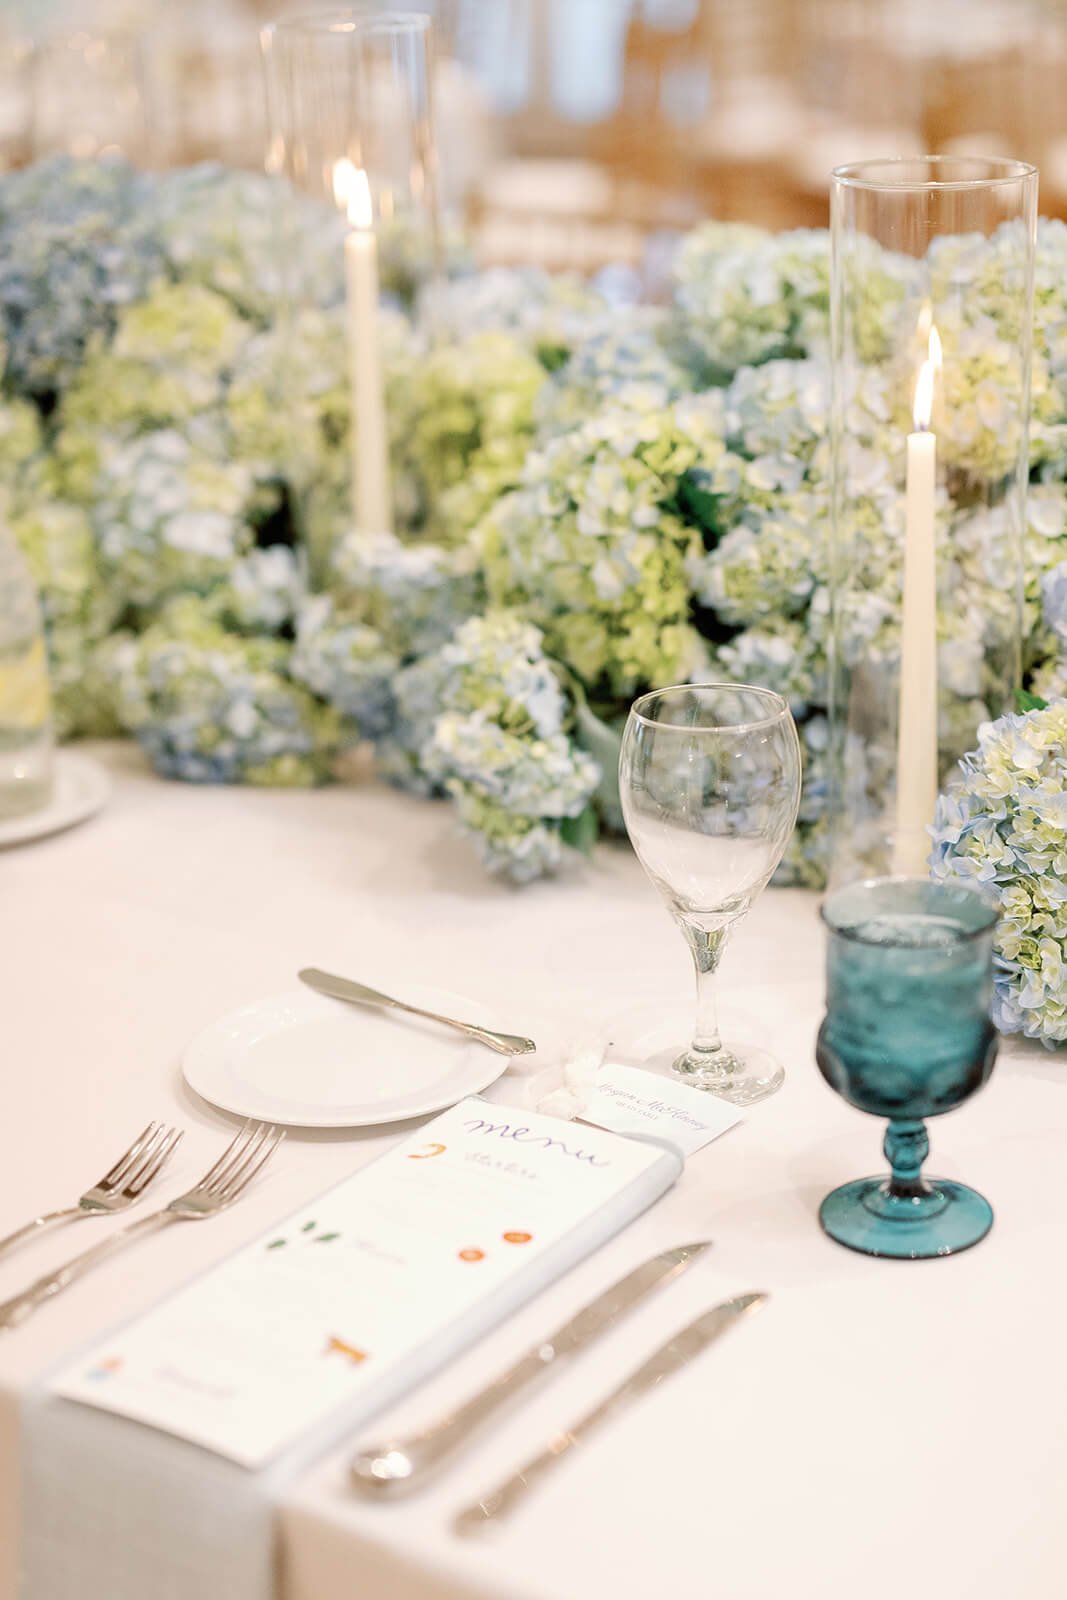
367,1290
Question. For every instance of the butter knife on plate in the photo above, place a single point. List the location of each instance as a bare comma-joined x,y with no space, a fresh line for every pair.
676,1353
398,1465
360,994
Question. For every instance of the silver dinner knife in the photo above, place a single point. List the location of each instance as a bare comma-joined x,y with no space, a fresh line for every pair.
401,1464
667,1360
359,994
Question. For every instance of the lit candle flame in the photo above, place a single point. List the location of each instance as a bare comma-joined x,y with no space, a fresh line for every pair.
351,191
922,411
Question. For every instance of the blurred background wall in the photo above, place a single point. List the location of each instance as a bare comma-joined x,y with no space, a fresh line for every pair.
577,132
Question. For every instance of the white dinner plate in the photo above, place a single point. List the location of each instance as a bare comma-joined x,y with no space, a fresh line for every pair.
79,788
302,1059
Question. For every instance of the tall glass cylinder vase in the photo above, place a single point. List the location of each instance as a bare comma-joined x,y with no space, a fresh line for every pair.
351,142
931,328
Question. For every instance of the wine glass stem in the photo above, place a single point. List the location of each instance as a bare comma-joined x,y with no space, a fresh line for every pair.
906,1148
707,951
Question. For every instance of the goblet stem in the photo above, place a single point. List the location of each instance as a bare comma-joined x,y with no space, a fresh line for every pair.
906,1147
706,1055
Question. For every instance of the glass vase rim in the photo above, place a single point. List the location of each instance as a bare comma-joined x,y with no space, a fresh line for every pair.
996,172
781,712
345,21
962,935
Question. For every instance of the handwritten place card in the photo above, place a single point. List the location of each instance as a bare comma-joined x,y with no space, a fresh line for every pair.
630,1100
367,1290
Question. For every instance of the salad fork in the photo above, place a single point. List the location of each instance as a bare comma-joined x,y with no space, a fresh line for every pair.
118,1189
222,1184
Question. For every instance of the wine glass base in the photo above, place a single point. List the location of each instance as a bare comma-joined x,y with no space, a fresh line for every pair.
864,1216
741,1074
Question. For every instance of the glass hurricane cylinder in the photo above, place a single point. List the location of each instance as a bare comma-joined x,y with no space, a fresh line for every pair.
351,143
932,287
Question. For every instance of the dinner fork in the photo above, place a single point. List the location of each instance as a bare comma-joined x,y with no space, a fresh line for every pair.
245,1155
118,1189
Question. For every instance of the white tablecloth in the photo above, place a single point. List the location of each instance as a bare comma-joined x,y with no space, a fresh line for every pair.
879,1424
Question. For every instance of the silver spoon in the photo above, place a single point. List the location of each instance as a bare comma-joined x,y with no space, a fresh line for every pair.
505,1044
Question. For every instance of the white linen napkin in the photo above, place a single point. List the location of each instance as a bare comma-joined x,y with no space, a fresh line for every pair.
116,1511
113,1509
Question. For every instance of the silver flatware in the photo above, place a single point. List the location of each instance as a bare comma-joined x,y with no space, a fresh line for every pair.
676,1353
118,1189
505,1044
401,1464
221,1185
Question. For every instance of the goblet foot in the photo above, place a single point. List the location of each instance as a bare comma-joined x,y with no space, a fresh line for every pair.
742,1074
943,1219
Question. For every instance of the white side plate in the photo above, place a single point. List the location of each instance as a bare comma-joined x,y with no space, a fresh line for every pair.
79,788
310,1062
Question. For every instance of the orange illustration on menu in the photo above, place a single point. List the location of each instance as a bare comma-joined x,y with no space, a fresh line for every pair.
351,1352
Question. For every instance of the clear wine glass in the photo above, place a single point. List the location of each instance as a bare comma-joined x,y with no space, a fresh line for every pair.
709,777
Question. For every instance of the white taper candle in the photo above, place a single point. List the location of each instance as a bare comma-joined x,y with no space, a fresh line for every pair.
917,722
371,499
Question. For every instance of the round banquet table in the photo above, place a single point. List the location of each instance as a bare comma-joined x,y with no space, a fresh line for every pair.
880,1423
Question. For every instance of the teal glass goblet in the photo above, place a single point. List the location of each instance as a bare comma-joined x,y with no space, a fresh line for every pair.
907,1035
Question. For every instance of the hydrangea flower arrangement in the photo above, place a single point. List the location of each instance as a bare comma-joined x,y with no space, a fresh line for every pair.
1003,826
588,502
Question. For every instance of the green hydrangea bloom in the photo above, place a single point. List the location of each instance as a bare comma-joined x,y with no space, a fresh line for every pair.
344,663
549,313
594,547
757,574
622,361
288,399
414,596
211,706
470,424
519,848
229,230
169,361
1003,826
485,719
261,593
20,438
742,296
79,610
169,516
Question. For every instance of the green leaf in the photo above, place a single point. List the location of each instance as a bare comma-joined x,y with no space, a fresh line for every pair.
580,832
1025,701
603,741
553,356
697,503
276,1244
324,1238
307,1227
